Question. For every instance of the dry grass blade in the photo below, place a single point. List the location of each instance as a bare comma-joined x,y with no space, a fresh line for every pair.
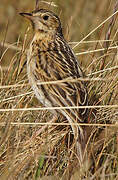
57,108
37,5
58,124
108,34
96,28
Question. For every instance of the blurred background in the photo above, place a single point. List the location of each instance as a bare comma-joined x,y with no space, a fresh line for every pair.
78,19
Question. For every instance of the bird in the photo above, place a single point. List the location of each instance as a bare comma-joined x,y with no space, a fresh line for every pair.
50,58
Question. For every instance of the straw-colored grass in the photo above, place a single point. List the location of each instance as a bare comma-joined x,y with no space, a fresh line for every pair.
33,143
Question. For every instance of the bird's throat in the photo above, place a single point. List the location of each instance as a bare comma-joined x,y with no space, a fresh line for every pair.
43,35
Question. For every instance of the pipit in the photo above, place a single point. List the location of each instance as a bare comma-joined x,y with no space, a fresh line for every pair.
50,58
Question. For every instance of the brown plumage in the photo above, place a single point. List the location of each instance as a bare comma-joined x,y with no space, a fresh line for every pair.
50,58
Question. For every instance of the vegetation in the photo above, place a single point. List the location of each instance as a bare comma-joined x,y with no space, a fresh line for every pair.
31,150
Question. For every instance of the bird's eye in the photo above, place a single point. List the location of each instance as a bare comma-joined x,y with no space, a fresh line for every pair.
45,17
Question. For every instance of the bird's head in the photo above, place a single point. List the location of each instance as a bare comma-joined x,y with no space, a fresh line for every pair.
43,20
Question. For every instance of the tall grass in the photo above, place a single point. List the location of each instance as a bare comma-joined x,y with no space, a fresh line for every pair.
31,150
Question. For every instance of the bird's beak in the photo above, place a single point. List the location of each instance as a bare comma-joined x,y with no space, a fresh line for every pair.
30,17
27,15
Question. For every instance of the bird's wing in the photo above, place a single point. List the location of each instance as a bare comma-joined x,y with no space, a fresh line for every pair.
61,64
70,93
